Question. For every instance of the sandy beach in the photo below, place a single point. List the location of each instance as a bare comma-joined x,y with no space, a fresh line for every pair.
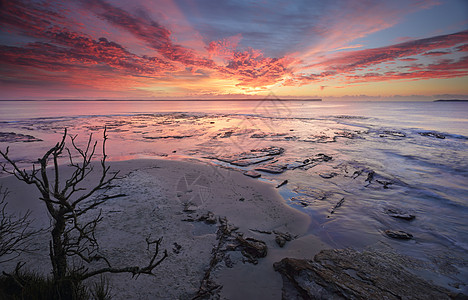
183,202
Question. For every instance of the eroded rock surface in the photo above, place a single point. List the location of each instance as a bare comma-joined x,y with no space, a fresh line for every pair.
252,174
400,214
349,274
11,137
251,248
251,157
398,234
282,237
432,134
271,168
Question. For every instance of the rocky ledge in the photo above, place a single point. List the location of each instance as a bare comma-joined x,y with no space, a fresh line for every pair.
349,274
11,137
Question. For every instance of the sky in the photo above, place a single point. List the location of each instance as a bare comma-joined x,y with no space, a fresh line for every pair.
205,49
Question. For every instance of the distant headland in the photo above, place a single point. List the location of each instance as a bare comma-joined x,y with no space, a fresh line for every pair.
451,100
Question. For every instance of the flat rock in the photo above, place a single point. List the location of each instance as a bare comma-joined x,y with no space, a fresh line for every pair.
328,175
11,137
272,150
252,174
251,157
282,237
398,234
394,133
251,248
308,161
349,274
321,139
432,134
323,157
271,168
258,135
396,213
251,161
295,164
347,134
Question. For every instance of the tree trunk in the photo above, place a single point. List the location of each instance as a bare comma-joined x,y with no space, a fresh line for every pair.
58,255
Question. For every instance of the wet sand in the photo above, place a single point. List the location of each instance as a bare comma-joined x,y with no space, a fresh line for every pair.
185,203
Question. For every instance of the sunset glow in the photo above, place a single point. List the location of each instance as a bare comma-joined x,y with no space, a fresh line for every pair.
185,49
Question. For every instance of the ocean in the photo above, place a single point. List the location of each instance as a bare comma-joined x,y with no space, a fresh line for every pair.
356,168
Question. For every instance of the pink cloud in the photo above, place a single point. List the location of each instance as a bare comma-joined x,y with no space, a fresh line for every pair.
345,65
254,69
444,69
364,58
71,50
225,47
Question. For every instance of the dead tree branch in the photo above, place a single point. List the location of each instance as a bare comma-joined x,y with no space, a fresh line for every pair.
68,201
15,231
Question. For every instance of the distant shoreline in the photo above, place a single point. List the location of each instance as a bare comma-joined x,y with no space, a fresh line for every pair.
222,100
452,100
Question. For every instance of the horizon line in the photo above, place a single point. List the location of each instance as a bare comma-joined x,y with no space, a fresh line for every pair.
156,100
233,99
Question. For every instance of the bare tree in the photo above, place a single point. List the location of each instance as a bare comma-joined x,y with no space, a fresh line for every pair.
15,231
72,232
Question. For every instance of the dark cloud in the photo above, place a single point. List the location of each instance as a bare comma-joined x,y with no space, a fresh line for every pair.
436,53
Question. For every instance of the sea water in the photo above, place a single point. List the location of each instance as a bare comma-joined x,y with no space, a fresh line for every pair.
410,157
